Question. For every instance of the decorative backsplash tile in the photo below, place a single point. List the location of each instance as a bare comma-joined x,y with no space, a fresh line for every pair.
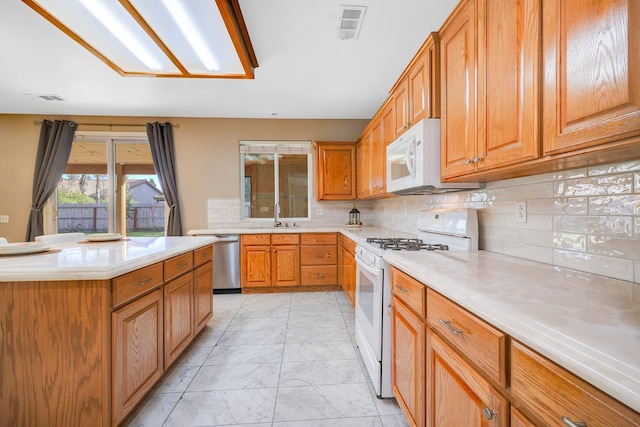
585,219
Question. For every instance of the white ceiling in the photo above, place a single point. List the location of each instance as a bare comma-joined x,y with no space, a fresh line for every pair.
304,70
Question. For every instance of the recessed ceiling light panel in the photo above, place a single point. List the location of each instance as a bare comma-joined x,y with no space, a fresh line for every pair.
164,38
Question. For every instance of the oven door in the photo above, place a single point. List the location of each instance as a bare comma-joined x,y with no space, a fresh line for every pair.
369,283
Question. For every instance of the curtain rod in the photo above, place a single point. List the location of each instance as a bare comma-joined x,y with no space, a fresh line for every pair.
177,126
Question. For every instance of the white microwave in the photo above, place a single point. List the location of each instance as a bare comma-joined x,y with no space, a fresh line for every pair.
413,162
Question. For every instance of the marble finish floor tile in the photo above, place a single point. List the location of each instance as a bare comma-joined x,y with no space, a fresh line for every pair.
236,377
271,360
223,408
243,354
253,337
321,373
334,422
309,351
325,401
317,334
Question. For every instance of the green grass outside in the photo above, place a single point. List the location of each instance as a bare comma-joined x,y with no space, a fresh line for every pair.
145,233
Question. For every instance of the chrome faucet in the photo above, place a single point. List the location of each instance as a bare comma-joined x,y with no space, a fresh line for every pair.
276,215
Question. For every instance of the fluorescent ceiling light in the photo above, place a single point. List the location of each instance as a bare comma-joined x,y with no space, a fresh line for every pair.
122,33
190,31
186,38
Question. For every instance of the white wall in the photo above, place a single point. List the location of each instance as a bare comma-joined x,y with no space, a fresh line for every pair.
585,219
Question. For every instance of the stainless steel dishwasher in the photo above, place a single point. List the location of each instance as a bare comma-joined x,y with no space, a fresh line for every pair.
226,264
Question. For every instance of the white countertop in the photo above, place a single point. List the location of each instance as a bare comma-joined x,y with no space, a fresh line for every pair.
96,260
586,323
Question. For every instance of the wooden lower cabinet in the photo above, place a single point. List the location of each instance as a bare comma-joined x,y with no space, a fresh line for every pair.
178,317
550,395
270,260
457,395
137,351
347,268
519,420
408,345
319,259
203,295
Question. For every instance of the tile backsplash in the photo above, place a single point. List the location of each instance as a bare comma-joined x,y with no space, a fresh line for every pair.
584,219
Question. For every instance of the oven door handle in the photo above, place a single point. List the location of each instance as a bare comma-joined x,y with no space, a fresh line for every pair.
375,271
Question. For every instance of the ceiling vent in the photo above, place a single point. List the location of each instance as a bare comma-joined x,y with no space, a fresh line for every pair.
46,97
350,21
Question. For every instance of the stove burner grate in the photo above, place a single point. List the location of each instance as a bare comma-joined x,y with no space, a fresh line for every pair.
402,244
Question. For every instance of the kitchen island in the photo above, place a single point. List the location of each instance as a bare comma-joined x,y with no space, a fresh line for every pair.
87,328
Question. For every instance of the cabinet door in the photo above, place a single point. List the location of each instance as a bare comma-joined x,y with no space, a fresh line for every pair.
418,81
255,267
388,123
401,101
336,174
508,89
178,317
519,420
286,265
203,295
137,352
364,166
378,158
432,67
457,71
457,394
591,73
408,362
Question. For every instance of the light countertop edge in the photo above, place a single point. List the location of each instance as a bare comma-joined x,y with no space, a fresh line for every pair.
97,260
597,339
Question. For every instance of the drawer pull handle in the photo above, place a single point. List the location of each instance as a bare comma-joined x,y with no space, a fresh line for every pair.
570,423
183,264
401,289
319,255
319,276
489,413
453,330
145,281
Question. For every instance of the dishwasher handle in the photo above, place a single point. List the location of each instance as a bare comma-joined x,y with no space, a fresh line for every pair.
227,238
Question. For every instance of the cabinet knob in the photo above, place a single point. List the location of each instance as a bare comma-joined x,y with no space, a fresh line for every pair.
477,159
567,421
467,161
489,413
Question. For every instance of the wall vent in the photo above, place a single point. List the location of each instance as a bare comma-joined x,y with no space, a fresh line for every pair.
45,97
350,21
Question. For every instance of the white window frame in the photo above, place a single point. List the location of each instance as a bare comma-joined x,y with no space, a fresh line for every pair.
277,147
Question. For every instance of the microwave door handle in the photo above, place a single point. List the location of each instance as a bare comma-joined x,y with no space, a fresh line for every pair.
411,158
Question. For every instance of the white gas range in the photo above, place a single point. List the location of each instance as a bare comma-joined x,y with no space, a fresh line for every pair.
438,230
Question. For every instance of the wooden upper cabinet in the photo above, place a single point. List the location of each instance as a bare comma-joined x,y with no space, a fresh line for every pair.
388,117
508,82
591,66
364,166
378,157
499,126
414,95
336,170
457,70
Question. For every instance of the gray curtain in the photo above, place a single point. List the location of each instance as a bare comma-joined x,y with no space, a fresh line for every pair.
51,159
161,143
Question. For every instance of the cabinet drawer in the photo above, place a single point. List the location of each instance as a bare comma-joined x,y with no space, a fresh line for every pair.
202,255
255,239
319,275
483,344
410,291
551,393
319,255
319,239
131,285
177,265
285,239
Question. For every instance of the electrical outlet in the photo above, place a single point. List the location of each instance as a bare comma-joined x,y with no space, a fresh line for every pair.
4,219
406,211
521,211
319,211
